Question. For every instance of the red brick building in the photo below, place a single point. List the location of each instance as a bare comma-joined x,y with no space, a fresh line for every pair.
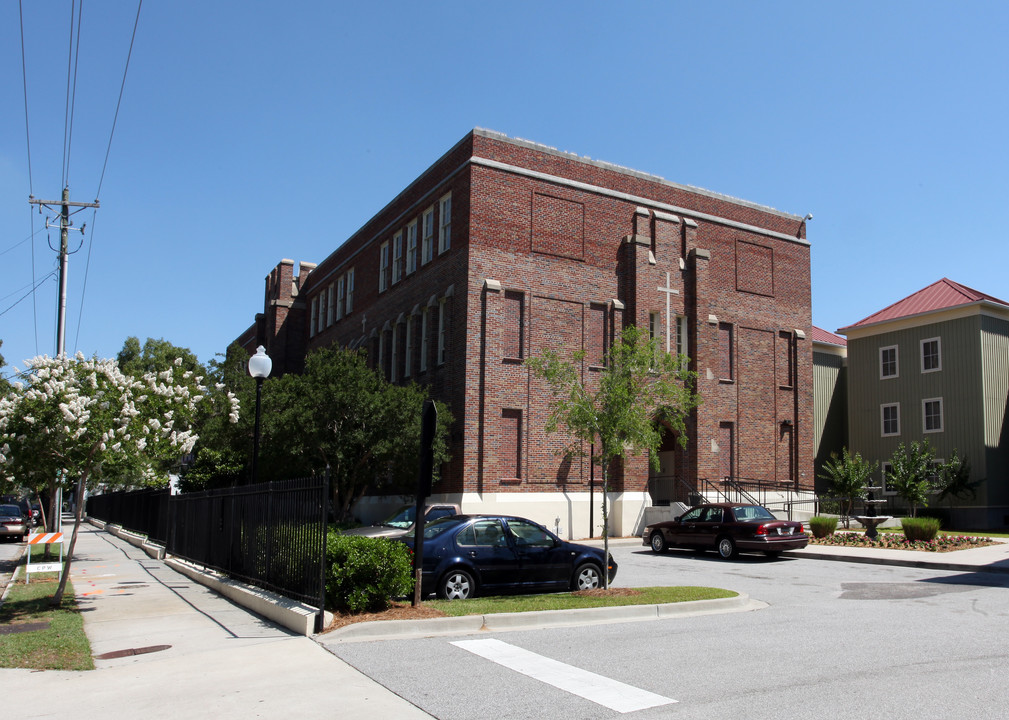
505,247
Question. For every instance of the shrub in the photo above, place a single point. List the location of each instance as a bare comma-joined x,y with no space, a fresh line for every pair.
920,528
822,526
364,574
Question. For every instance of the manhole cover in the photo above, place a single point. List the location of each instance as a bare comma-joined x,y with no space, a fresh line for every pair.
131,651
24,627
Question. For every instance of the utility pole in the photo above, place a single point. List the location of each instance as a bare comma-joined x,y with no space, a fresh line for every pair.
65,225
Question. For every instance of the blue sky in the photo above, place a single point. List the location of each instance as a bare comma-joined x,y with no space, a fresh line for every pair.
254,131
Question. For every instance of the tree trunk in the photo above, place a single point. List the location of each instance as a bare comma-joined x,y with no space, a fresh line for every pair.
78,513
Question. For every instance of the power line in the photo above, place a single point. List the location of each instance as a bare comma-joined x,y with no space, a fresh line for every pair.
101,179
129,54
73,94
30,292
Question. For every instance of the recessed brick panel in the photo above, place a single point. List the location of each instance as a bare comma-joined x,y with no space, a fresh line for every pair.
558,227
754,269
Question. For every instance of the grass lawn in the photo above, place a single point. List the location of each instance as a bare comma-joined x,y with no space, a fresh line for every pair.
586,599
56,640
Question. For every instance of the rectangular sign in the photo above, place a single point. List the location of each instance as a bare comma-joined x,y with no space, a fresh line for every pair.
44,567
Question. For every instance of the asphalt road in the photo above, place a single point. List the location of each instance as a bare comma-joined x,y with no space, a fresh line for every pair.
837,639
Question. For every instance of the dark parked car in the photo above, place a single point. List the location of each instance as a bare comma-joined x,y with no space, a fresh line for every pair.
400,524
469,554
728,528
13,522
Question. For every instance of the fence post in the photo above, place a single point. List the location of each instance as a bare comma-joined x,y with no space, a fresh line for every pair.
320,620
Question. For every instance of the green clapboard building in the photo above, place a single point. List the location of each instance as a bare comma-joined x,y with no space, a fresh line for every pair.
935,365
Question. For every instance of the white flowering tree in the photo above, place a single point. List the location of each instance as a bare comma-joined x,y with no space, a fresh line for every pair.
79,418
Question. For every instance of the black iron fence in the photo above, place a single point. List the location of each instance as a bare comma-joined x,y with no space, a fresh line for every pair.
143,511
271,535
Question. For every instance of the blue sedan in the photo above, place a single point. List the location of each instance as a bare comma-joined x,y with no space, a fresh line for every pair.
469,554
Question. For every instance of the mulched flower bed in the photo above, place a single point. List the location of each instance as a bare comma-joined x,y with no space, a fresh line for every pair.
897,541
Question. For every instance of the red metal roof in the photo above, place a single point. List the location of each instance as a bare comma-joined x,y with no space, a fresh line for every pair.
940,295
825,336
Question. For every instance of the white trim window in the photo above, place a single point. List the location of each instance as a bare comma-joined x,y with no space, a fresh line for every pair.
383,267
314,317
394,354
888,362
445,223
423,338
330,312
889,417
397,257
339,297
885,470
408,351
350,291
442,332
931,355
411,247
427,236
682,343
322,312
931,415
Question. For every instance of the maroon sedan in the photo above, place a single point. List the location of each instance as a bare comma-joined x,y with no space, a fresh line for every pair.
728,528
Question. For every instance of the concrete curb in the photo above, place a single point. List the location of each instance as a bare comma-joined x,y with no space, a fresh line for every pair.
504,622
153,550
291,614
900,562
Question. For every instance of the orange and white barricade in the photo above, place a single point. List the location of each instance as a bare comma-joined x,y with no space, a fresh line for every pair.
55,538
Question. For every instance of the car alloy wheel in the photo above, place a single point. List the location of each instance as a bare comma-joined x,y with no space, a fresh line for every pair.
456,585
658,542
587,577
726,548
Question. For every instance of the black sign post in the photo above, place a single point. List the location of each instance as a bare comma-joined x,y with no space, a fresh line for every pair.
429,422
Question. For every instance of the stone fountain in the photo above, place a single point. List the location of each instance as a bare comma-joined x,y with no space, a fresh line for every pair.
871,520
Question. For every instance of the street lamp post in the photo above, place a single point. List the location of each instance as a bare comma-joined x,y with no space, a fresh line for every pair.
260,366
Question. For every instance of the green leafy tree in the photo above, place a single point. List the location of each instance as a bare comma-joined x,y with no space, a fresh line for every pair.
222,456
155,356
913,473
848,476
954,480
640,389
341,414
84,417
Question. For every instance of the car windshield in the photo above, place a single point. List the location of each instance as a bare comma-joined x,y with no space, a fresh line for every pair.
752,513
10,510
402,518
441,525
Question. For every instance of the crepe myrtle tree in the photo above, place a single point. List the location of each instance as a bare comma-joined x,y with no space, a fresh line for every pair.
85,418
640,391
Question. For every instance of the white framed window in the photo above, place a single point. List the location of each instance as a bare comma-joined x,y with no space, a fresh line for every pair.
427,236
394,354
322,311
411,247
682,345
383,267
380,361
350,291
889,415
888,362
931,415
445,223
314,318
423,339
339,297
442,331
331,309
397,257
931,355
885,470
408,349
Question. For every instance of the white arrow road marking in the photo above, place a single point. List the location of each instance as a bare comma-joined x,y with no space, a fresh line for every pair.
596,688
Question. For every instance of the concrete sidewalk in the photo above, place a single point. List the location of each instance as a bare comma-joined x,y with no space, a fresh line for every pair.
202,655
